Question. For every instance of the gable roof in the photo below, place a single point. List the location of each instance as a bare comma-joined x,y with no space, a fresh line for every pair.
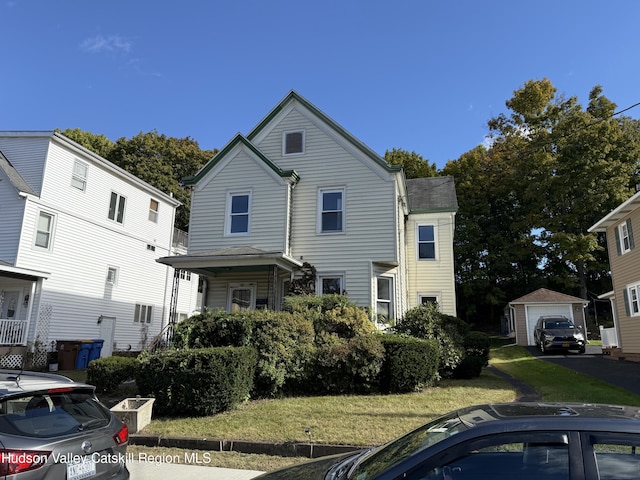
544,295
617,214
14,176
217,158
432,194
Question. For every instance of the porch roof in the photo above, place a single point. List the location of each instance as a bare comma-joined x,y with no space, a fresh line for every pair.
11,271
241,258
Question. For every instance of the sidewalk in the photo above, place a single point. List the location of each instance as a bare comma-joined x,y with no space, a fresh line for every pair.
168,471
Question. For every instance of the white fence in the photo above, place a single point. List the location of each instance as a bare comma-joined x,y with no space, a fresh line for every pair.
13,332
609,337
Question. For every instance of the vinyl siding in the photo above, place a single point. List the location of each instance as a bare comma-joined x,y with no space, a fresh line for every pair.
369,204
432,276
11,212
28,156
625,270
268,210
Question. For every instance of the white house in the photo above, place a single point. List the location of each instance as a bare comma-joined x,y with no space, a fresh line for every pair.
80,238
300,189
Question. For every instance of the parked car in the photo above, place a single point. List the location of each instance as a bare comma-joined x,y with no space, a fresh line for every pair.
558,333
558,441
54,428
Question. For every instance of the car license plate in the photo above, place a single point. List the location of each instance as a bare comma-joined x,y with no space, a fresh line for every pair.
565,345
84,468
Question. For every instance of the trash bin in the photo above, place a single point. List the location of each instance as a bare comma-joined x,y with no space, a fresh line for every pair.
82,360
96,349
67,354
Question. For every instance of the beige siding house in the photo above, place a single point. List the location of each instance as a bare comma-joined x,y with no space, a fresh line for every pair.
624,259
299,189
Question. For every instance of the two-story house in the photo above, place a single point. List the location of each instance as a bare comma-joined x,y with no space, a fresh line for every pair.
80,238
299,189
624,260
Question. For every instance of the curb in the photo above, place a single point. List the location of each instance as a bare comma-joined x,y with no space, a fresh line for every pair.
288,449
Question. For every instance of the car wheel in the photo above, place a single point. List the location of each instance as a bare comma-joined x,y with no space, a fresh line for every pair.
582,350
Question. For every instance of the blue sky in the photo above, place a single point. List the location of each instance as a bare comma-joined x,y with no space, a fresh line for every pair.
422,75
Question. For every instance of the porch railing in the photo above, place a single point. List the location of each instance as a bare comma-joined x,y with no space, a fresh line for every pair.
13,332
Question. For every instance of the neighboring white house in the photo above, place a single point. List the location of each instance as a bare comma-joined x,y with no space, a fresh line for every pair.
80,239
300,189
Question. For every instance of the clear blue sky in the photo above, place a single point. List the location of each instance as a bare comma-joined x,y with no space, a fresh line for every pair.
421,75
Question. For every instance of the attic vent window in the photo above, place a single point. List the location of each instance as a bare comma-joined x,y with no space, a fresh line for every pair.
293,142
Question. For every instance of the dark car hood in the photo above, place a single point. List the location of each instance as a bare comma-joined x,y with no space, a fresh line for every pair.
312,470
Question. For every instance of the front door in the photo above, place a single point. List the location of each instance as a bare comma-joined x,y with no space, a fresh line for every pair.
107,333
241,297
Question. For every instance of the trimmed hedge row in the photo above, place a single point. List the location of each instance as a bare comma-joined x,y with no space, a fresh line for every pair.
197,382
410,363
108,373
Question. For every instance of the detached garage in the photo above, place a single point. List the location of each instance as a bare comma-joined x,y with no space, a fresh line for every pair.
525,311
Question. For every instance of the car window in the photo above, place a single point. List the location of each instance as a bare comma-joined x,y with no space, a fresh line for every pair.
502,458
51,414
616,457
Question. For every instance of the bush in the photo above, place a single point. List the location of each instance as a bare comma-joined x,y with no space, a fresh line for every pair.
425,321
197,382
476,346
108,373
469,367
409,364
284,342
347,365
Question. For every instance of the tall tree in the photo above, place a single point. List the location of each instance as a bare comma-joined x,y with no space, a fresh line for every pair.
415,166
99,144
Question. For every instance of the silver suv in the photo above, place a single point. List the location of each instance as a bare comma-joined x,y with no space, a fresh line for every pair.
558,333
54,428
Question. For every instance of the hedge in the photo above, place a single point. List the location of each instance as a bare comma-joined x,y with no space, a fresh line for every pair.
197,382
108,373
409,365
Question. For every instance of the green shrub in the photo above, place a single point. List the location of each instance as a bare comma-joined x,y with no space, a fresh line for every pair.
469,367
108,373
409,364
425,321
197,382
347,365
476,346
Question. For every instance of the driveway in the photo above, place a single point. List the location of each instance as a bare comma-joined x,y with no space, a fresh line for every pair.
621,373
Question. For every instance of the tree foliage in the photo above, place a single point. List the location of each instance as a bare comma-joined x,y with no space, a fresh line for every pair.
415,166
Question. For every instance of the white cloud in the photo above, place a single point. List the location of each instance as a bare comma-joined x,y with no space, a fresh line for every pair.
108,44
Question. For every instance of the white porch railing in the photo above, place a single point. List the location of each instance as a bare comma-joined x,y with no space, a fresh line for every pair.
609,337
13,332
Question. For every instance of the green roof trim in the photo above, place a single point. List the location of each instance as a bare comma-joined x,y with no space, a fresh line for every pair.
239,138
293,95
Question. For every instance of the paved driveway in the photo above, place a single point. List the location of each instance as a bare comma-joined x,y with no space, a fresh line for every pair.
621,373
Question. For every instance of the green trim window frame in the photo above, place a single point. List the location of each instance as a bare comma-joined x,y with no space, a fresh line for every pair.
142,313
117,205
44,230
426,242
331,211
330,283
293,142
238,216
79,175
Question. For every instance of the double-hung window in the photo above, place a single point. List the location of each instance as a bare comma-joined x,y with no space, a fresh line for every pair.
632,300
238,213
384,300
44,230
331,210
624,237
116,207
153,210
426,242
79,175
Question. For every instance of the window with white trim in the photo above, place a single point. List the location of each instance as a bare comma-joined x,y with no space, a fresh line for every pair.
79,175
624,236
44,230
116,207
293,142
426,235
238,213
154,205
330,283
427,298
633,300
142,313
185,275
112,275
384,298
331,210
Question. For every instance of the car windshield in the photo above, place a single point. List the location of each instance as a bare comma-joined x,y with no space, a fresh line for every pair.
382,459
557,324
51,414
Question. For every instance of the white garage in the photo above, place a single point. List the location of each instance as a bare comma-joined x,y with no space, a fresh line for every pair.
524,312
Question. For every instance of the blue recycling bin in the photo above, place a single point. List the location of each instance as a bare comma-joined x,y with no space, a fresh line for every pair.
82,359
96,349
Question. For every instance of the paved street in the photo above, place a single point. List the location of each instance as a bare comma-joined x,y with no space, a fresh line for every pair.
162,470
